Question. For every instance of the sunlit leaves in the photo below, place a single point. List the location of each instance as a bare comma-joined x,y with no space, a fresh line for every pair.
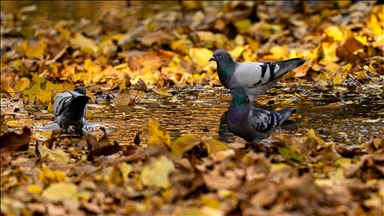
376,22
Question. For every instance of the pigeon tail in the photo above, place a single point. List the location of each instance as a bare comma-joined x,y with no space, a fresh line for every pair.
286,113
288,65
78,104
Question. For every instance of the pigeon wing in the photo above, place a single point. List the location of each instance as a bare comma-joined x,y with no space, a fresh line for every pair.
63,101
263,121
252,74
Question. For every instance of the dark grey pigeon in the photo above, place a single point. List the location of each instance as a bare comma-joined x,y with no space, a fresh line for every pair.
70,109
255,77
251,123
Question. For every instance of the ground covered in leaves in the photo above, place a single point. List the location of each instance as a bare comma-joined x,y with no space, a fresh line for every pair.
132,55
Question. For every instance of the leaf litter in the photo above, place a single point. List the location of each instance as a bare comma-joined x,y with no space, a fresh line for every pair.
138,64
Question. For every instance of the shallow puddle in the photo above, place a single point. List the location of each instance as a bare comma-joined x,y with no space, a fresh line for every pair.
201,112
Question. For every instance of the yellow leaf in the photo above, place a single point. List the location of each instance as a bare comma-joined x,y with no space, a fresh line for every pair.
238,51
123,98
311,133
22,84
329,50
125,170
200,55
156,173
157,135
215,146
337,77
335,33
163,93
49,176
86,44
210,201
57,155
184,144
35,49
42,88
278,53
34,189
243,26
60,191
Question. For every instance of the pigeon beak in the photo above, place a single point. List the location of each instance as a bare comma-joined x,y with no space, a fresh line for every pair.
212,59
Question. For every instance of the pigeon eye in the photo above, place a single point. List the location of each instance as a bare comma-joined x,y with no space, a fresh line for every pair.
218,54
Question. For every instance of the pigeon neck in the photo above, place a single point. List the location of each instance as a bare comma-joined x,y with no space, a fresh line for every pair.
239,101
238,110
226,70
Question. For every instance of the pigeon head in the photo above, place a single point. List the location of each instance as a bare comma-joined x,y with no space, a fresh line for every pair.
221,55
81,90
237,88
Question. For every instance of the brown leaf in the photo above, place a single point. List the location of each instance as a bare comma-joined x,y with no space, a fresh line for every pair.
54,136
215,181
92,141
106,149
140,85
16,141
266,196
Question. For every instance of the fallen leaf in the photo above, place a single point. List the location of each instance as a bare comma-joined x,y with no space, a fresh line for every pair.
156,173
163,93
60,191
184,144
57,155
15,141
215,146
156,135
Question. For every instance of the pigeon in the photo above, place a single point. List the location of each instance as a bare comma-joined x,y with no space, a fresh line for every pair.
252,123
70,109
256,77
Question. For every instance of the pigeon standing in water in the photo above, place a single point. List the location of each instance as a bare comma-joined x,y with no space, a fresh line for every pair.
70,109
251,123
255,77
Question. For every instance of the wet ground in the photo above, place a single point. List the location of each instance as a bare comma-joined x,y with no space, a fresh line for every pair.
201,111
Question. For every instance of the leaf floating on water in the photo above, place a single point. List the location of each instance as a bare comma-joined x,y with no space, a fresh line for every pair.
337,77
123,98
126,83
140,85
163,93
156,173
373,120
156,134
184,144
